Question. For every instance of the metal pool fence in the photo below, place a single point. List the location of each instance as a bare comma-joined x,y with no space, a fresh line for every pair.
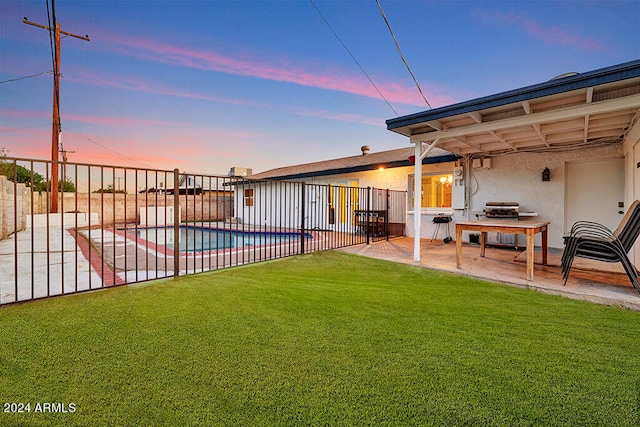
109,225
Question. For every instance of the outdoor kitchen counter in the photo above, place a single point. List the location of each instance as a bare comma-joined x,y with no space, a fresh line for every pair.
526,227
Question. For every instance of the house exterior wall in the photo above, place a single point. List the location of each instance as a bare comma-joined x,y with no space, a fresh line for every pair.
398,179
518,178
329,203
512,177
264,203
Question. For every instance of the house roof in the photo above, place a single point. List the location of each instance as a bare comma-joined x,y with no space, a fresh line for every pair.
372,161
585,108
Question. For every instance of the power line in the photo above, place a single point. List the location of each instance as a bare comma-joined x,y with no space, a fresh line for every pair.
400,52
113,152
352,57
26,77
51,41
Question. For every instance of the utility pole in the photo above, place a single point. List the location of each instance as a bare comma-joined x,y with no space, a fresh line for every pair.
55,130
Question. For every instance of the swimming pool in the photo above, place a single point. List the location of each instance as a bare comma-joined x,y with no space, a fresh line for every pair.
197,239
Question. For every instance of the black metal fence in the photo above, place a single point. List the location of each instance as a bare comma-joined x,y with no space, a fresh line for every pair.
109,226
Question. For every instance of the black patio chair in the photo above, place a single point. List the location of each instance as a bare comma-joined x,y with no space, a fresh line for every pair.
595,241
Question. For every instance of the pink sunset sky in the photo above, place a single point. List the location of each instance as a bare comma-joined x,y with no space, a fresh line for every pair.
204,86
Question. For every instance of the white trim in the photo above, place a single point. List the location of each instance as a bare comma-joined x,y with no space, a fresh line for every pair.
417,192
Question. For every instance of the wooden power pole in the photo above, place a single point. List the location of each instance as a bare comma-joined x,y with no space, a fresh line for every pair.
55,132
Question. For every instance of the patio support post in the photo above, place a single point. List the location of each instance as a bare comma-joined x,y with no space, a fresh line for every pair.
417,194
417,201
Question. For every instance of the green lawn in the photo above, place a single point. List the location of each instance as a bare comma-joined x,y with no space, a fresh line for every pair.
321,339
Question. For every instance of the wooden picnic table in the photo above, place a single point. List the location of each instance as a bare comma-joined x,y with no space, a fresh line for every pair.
526,227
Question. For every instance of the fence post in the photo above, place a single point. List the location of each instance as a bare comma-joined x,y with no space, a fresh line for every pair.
302,217
386,218
176,223
368,214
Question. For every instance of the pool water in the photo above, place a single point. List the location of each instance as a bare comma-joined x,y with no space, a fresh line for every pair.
196,239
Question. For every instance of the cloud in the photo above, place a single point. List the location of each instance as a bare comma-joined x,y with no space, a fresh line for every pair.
152,87
148,86
551,35
145,143
344,117
281,69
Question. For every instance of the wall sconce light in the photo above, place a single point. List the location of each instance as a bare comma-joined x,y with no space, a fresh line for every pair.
412,160
546,174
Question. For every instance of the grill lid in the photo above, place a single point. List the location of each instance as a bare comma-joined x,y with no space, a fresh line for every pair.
502,210
503,204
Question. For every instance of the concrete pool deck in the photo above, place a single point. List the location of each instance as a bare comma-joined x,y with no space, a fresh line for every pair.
55,261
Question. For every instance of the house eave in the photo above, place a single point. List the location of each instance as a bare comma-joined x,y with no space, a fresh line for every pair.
625,71
363,168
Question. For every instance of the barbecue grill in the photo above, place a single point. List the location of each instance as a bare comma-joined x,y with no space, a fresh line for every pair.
502,210
439,220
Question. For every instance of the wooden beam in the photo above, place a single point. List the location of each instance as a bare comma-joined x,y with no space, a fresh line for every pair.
573,112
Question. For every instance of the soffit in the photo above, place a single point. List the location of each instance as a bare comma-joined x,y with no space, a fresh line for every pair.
590,115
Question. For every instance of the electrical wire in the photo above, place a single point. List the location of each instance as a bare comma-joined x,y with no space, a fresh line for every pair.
115,153
401,54
26,77
54,57
53,51
352,56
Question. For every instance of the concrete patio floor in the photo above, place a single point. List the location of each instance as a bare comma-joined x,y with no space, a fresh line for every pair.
597,282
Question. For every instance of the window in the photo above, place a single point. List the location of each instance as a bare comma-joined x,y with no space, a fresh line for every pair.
436,190
248,197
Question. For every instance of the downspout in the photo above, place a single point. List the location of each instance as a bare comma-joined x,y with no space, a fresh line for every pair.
417,194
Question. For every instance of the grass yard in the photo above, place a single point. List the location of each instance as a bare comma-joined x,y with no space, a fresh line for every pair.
321,339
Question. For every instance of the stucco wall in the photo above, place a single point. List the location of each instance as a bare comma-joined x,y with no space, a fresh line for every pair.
517,177
512,177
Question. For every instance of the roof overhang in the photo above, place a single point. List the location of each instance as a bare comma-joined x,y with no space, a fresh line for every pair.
363,168
577,110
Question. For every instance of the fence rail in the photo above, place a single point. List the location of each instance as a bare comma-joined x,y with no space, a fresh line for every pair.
120,225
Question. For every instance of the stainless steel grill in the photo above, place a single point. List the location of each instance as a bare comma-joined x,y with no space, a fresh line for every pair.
502,210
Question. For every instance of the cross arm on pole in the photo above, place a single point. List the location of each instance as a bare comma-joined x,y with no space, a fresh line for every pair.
26,21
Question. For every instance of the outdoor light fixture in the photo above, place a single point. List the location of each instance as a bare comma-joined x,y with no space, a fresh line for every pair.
546,174
446,179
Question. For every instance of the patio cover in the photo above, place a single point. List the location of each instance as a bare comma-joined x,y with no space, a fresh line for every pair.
567,112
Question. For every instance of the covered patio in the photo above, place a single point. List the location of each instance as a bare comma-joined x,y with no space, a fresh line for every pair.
597,282
505,141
